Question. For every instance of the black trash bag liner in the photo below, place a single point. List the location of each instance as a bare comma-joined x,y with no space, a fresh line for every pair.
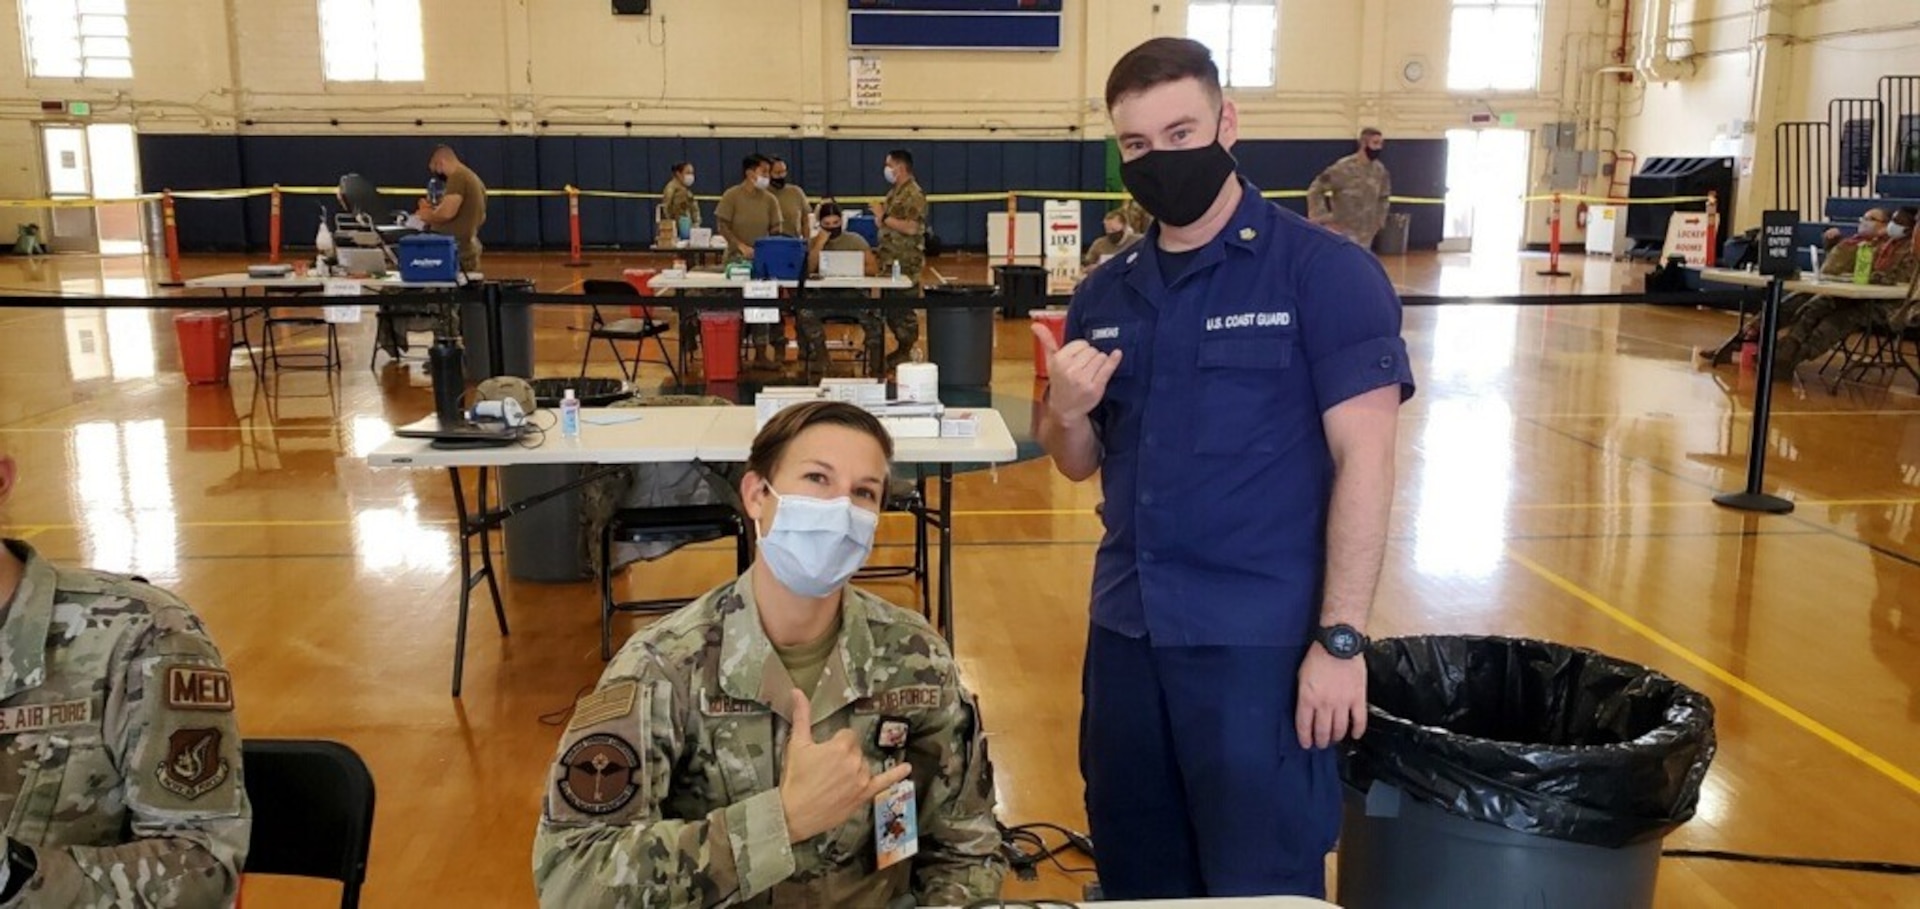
1538,738
592,392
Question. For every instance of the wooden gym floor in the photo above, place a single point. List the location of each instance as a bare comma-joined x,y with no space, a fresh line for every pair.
1556,472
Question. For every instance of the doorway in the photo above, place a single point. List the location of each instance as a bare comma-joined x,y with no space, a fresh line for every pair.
1486,180
95,161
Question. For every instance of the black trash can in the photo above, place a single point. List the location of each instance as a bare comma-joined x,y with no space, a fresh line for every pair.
1509,772
959,337
516,332
545,543
1023,289
1392,239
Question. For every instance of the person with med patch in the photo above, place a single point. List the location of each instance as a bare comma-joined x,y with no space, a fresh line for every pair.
120,776
1235,380
786,739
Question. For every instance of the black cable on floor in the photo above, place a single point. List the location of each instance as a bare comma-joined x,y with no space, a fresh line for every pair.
1864,867
1026,850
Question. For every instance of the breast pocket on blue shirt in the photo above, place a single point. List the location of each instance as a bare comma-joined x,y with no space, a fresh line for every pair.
1242,377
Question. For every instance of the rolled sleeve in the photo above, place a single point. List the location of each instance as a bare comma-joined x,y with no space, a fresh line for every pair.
756,831
1361,368
1350,327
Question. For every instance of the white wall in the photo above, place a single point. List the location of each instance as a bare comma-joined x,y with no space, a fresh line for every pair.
757,67
1822,49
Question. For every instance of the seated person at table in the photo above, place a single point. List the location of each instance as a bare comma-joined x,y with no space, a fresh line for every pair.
734,750
1818,323
1118,237
832,236
119,758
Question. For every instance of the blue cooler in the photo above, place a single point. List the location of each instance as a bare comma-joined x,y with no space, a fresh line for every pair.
779,258
862,223
429,257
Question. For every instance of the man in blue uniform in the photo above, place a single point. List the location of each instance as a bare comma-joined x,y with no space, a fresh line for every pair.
1235,379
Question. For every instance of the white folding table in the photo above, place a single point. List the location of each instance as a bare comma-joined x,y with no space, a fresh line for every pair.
653,435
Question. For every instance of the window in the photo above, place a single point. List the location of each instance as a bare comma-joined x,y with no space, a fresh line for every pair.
74,39
1240,33
1495,46
372,41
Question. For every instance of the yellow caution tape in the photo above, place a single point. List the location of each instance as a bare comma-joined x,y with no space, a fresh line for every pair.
1063,195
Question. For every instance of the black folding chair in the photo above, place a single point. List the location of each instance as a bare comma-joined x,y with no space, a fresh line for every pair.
312,811
637,330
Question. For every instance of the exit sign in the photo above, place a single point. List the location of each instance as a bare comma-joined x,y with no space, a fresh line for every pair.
79,108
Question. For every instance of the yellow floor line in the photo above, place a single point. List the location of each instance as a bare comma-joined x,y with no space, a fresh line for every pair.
1826,733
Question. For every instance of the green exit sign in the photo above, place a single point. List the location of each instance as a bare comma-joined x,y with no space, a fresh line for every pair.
79,108
1508,120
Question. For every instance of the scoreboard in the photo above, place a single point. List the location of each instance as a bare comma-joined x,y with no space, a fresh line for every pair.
1010,25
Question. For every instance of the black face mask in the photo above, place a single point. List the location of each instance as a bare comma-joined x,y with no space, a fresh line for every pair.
1115,237
1373,154
834,232
778,183
1178,186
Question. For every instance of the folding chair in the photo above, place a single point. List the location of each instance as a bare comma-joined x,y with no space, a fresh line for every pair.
312,811
635,329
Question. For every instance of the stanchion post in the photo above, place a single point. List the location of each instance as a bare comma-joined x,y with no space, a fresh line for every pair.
273,226
170,229
1553,243
574,259
1713,227
1013,222
1776,259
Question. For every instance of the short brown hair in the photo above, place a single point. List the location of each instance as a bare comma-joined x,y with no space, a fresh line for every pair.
1369,133
770,445
1160,61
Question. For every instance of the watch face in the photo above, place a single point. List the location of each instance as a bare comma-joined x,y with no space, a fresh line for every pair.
1343,641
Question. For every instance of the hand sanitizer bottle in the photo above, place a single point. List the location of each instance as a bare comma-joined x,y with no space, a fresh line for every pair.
569,415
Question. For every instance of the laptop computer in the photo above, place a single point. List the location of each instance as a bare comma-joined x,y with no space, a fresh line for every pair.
843,264
462,433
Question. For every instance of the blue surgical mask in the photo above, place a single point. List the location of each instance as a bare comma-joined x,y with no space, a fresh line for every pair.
815,545
890,174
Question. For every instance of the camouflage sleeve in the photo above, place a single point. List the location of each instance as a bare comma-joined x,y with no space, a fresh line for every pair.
1840,260
604,837
959,859
1899,271
910,205
1317,192
172,728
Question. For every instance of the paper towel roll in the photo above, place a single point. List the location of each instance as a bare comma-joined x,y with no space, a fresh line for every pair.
919,382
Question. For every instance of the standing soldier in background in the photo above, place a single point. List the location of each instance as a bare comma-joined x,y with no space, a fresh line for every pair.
793,200
120,771
676,199
1350,196
903,238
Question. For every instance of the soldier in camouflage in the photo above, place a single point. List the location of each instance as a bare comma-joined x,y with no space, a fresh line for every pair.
734,752
120,771
1351,195
1818,324
833,236
903,239
676,198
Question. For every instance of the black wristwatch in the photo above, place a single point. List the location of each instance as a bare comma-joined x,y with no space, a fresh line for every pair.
1343,641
